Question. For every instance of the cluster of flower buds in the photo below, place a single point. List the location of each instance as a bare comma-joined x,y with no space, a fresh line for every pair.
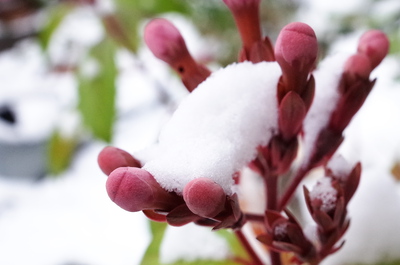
327,203
354,88
134,189
284,234
205,202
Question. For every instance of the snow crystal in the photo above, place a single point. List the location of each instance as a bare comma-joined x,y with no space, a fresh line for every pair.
324,192
217,128
327,79
280,231
190,243
339,166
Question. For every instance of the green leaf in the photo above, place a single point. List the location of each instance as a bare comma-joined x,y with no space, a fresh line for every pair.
60,152
152,254
97,93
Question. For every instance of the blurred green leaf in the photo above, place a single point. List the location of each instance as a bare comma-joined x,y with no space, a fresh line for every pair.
60,152
152,254
97,93
236,247
55,15
205,262
151,257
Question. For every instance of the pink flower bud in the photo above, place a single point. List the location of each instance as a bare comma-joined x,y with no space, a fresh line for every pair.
358,65
167,44
296,48
375,45
111,158
165,41
204,197
135,189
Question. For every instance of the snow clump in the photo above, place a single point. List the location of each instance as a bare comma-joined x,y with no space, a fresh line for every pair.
216,130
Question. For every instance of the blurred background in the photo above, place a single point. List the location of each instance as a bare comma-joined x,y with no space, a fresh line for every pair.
75,76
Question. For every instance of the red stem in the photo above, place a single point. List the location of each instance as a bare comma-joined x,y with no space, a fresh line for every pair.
271,187
253,255
254,217
271,183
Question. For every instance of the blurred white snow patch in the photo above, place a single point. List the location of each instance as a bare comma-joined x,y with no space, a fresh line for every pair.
325,193
319,14
217,128
190,243
68,219
372,137
375,213
104,7
251,192
79,30
135,85
327,78
33,93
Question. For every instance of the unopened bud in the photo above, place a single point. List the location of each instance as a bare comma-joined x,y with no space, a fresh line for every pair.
375,45
204,197
135,189
297,47
358,65
165,41
111,158
167,44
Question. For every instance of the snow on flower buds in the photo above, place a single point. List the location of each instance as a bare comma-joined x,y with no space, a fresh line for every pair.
253,114
204,197
167,44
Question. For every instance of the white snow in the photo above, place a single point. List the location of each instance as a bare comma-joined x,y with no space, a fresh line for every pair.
68,219
36,96
327,78
216,130
339,166
78,31
325,193
191,243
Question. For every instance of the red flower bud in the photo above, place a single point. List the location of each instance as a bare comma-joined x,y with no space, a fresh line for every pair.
358,65
296,52
165,41
204,197
111,158
135,189
167,44
375,45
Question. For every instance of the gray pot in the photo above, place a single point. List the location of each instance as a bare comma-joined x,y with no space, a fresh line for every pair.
23,160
